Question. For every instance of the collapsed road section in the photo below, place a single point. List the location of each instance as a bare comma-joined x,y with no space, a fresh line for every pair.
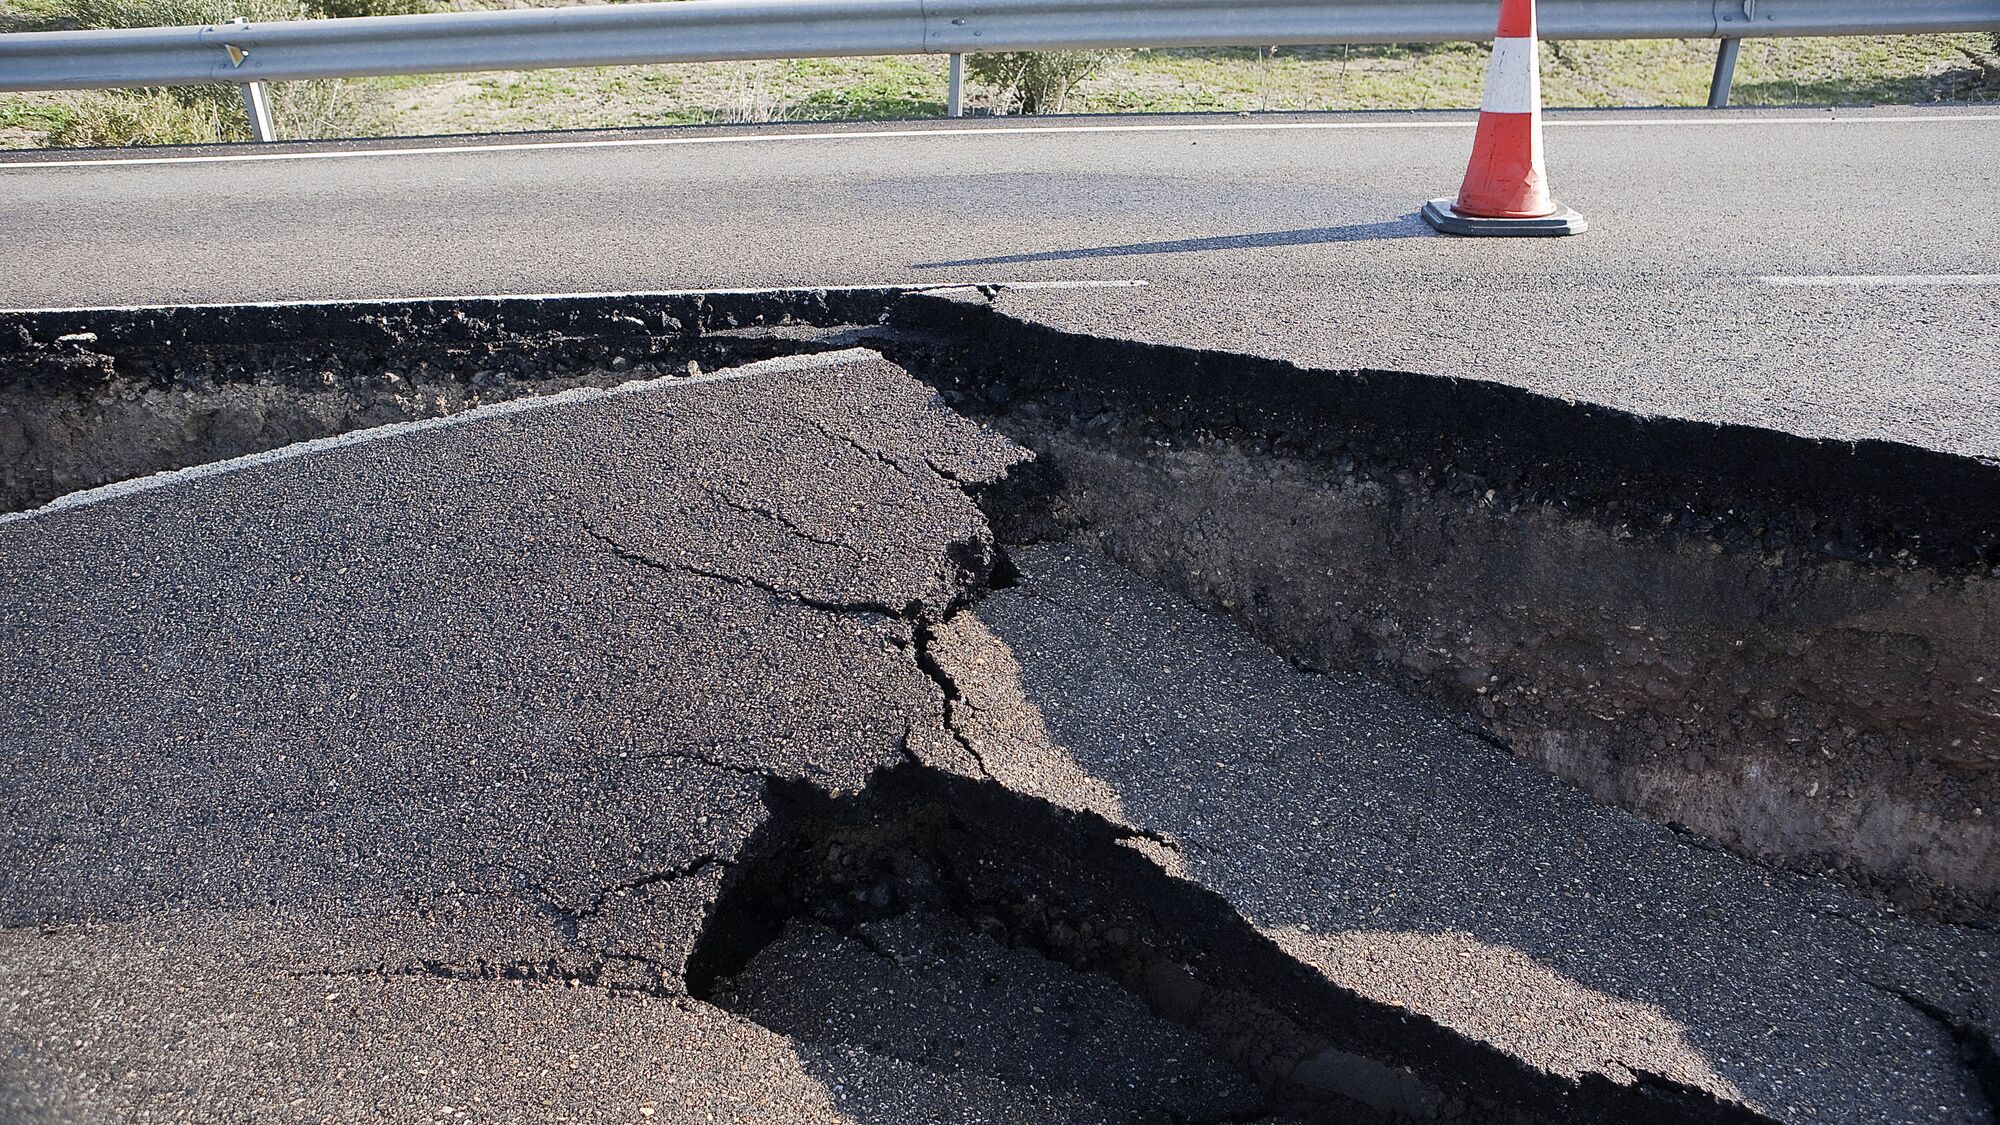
1789,646
781,740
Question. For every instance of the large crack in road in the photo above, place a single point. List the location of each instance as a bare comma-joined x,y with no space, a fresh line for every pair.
786,745
962,901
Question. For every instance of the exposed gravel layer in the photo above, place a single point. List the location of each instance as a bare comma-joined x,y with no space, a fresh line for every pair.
87,399
1787,645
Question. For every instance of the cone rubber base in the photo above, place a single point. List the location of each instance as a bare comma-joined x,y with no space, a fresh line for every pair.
1438,213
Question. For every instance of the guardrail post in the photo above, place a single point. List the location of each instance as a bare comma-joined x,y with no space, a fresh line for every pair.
954,98
259,106
1725,73
255,103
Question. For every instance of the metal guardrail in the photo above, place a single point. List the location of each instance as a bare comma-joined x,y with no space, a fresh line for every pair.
247,54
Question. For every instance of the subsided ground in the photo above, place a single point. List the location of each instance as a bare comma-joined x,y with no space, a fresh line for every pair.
909,733
812,760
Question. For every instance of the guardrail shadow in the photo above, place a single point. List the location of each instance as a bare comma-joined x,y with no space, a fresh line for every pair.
1406,226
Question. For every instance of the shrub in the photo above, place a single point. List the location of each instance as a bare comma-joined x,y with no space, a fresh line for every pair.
199,115
1988,62
342,8
141,117
185,13
1036,81
208,114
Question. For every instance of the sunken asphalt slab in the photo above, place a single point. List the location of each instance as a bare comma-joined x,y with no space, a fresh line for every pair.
1416,864
1288,236
391,778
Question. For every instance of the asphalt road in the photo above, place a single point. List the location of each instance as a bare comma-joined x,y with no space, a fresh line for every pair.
1293,237
394,777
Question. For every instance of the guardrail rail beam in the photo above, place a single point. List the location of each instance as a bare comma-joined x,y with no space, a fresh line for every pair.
726,30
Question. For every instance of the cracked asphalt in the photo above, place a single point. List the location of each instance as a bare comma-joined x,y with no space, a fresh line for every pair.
323,765
970,1012
393,781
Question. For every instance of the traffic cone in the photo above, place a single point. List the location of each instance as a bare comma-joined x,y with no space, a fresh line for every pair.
1506,190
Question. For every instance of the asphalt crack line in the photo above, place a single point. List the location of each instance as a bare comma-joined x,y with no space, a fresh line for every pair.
947,474
712,763
691,868
1129,832
776,517
570,919
544,972
855,444
947,685
924,660
1975,1044
865,607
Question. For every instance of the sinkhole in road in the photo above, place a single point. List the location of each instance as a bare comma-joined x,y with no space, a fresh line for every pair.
1789,647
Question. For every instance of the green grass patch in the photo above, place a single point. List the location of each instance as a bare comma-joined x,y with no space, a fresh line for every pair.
1906,70
18,112
902,89
1583,73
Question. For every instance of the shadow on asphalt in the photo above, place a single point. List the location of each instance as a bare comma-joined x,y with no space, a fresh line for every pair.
1408,226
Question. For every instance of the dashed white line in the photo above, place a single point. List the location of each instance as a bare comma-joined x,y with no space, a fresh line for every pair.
992,131
1118,283
1887,280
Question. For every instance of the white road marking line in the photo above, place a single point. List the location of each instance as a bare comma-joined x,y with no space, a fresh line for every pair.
634,294
1125,283
171,477
1002,131
1862,280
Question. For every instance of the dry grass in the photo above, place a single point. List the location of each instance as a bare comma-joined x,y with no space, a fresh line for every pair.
1885,70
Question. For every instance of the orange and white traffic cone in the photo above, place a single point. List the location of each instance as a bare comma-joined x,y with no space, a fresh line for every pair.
1506,190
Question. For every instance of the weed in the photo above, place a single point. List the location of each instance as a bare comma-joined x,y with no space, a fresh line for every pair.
1036,81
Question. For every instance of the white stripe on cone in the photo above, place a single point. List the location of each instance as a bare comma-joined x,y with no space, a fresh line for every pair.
1513,78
